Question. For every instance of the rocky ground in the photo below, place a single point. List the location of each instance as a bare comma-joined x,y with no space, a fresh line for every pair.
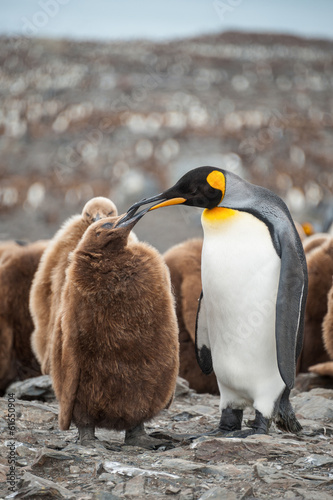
50,464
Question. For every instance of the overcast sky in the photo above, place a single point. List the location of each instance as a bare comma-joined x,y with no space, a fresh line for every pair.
154,19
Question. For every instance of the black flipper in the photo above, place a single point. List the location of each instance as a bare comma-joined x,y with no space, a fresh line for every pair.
202,346
290,306
286,419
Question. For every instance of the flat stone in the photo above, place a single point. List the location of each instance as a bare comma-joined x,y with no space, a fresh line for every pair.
172,490
186,494
307,494
125,470
269,473
135,487
182,387
219,494
204,410
34,487
33,388
251,448
25,451
46,457
188,466
314,460
29,411
314,405
103,495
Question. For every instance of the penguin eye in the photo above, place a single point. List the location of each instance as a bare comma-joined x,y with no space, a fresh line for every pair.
193,191
110,213
87,214
107,225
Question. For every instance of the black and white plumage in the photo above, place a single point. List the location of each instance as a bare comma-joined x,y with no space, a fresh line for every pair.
254,279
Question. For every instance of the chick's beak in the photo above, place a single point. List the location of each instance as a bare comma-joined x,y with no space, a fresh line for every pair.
131,218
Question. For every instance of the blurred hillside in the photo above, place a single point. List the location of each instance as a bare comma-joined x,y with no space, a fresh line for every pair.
126,119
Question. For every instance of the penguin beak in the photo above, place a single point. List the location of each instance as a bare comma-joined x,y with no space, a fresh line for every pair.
98,217
130,218
164,199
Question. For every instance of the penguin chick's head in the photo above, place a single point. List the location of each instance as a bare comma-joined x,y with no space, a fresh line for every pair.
98,208
111,232
202,187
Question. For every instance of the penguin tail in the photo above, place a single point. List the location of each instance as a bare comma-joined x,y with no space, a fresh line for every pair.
286,419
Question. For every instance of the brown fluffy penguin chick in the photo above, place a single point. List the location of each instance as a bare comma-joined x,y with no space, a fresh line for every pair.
184,262
328,324
320,270
327,368
300,230
49,279
315,241
114,360
17,270
8,247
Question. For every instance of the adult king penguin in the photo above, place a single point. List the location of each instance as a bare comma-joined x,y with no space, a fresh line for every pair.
254,288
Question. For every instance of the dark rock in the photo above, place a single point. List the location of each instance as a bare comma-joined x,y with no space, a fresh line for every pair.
34,487
33,388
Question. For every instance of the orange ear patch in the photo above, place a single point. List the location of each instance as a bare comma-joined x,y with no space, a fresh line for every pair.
217,180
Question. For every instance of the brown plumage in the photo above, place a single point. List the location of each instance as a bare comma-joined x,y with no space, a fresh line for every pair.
17,269
114,360
328,325
315,241
46,288
8,247
320,269
184,262
300,230
327,368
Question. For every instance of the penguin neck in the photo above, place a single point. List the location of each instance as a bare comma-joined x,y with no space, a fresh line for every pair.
215,218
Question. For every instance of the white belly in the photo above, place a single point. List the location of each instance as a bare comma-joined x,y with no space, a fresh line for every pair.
240,277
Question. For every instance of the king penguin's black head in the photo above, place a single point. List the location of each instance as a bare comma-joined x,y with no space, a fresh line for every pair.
202,187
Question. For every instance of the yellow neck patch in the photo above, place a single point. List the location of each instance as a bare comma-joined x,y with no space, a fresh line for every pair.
218,214
217,180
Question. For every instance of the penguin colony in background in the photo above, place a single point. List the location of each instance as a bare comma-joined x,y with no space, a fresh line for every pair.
314,241
184,262
319,255
326,366
327,369
50,276
254,288
114,361
17,268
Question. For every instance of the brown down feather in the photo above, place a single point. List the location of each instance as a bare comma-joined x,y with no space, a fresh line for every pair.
50,276
326,369
114,361
320,270
17,268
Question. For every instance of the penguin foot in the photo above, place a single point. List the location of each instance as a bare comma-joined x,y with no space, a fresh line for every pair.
87,436
100,445
231,420
138,437
88,439
245,433
260,425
